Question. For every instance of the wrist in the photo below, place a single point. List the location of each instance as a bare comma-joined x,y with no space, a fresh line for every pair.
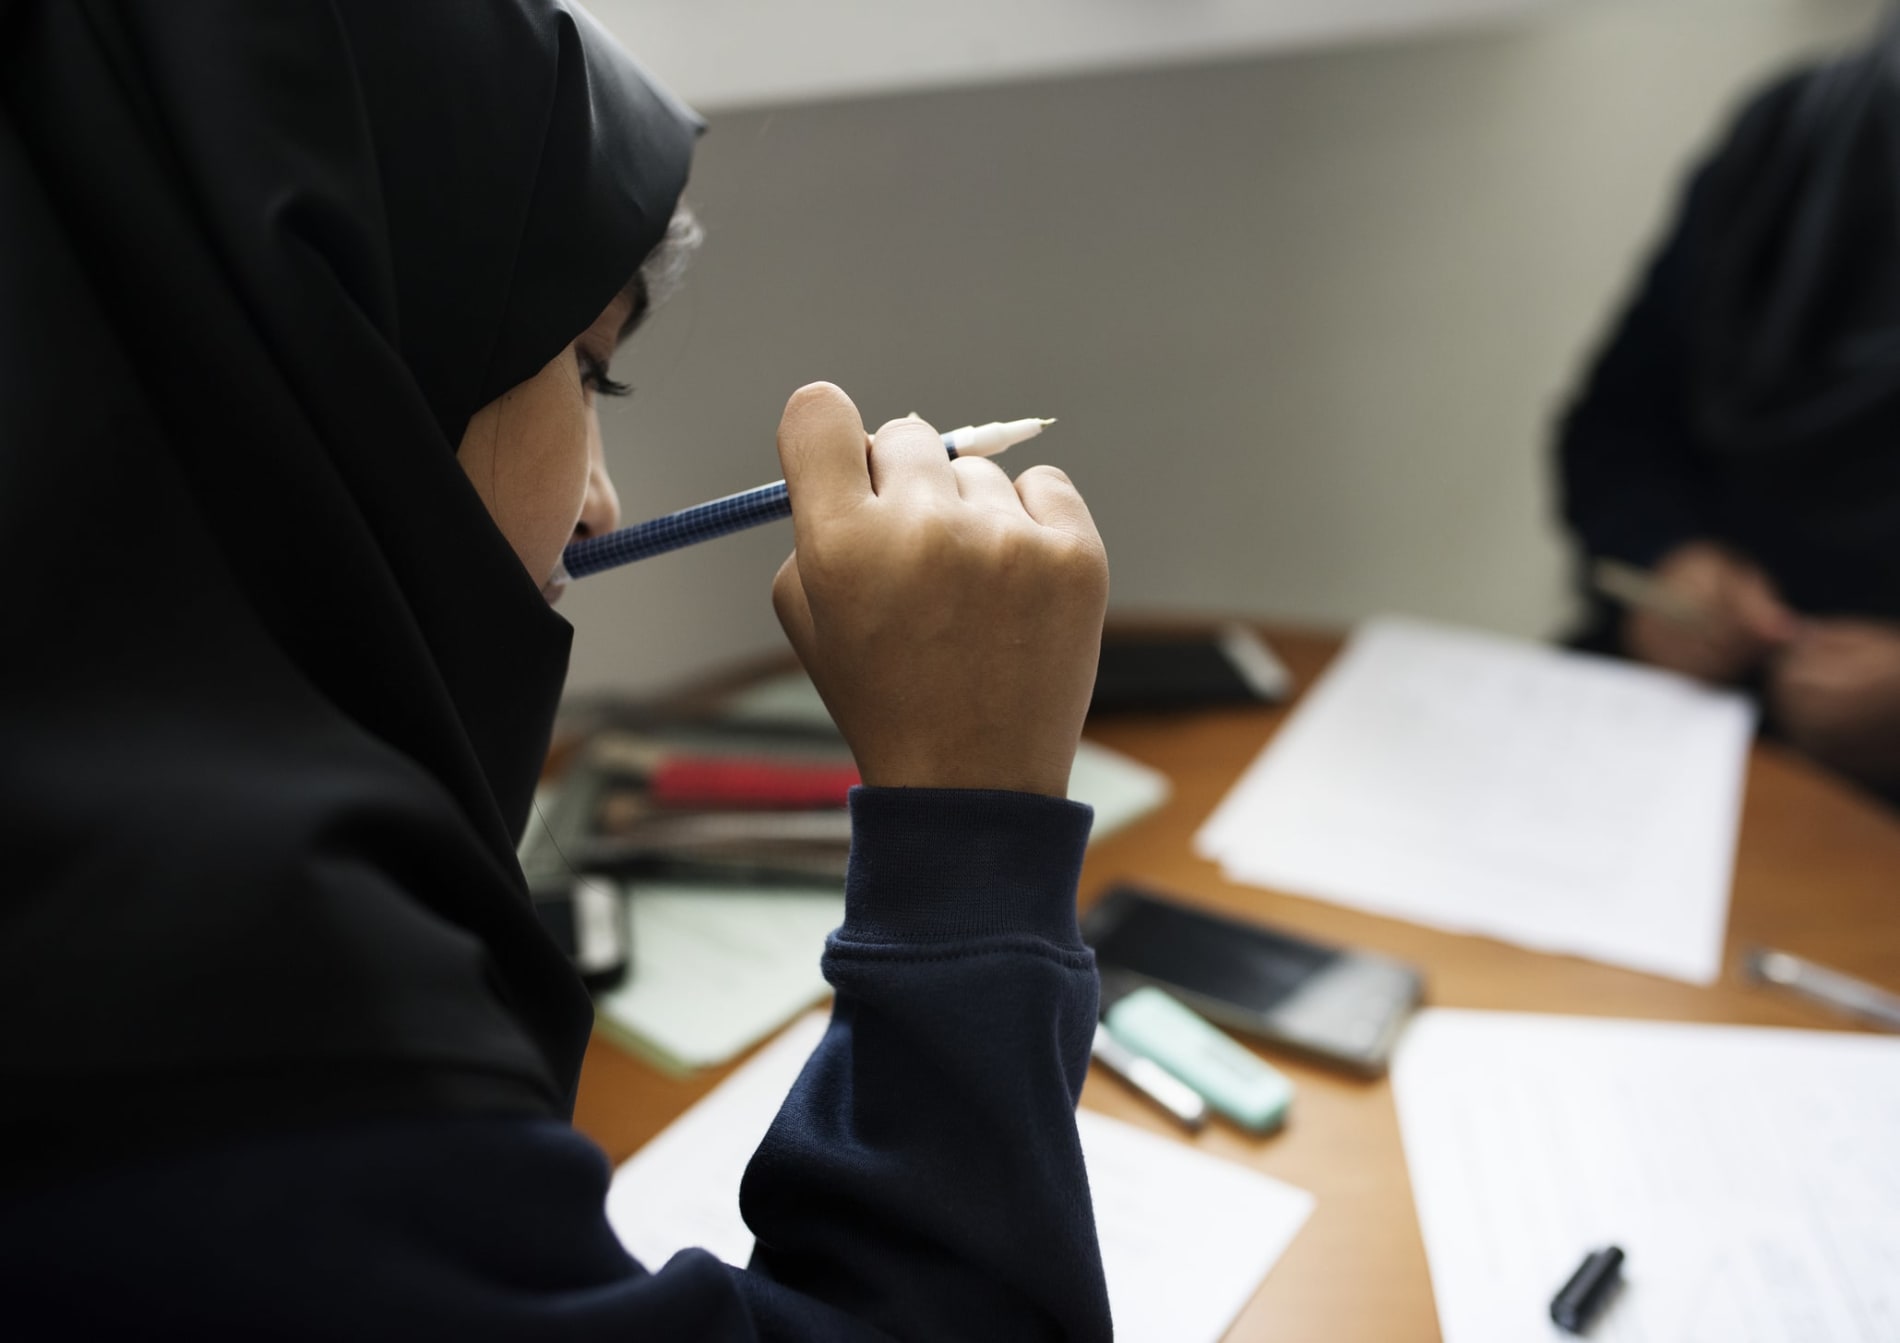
936,777
950,767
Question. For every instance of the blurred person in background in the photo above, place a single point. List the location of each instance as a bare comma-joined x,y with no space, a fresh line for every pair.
1739,433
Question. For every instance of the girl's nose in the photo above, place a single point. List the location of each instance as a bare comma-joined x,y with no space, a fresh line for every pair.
600,508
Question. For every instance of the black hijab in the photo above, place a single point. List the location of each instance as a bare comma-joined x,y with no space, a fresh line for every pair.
274,691
1796,230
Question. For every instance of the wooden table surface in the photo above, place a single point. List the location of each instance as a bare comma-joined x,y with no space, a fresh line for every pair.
1817,873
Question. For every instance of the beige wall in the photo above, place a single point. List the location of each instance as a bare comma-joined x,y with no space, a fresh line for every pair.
727,54
1305,320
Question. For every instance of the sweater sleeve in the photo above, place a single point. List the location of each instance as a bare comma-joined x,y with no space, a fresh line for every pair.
923,1179
925,1175
1631,488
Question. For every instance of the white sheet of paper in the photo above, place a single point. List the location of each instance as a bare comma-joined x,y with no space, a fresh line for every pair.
716,970
1121,790
1186,1238
1751,1176
1480,784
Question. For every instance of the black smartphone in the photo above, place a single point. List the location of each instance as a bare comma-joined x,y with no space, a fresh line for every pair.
1340,1006
1232,665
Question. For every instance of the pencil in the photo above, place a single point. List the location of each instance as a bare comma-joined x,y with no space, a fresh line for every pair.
754,508
1643,591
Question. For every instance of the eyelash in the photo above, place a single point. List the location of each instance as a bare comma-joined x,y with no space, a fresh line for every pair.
594,378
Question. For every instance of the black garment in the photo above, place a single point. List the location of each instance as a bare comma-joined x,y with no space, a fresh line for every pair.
923,1181
1750,393
275,690
283,1051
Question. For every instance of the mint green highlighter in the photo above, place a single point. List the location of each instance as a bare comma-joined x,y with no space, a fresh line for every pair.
1225,1072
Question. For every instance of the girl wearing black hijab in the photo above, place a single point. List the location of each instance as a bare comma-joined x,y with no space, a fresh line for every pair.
303,308
1740,432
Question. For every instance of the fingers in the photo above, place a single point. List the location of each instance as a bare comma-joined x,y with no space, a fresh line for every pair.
1799,671
1834,637
1760,612
985,484
908,459
1729,644
1835,655
1052,500
1804,695
1744,621
821,448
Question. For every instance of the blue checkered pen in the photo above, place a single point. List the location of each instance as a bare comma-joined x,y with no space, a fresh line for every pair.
689,526
768,503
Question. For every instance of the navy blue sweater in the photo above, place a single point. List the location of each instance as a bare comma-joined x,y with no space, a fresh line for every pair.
923,1180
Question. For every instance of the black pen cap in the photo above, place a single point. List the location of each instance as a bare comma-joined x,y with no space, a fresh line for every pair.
1589,1287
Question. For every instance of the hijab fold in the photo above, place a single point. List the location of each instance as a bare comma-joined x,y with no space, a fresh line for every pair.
275,691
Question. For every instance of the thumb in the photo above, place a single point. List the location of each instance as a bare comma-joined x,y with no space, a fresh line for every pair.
794,610
1762,612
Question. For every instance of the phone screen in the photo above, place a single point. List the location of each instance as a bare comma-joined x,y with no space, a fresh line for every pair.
1218,958
1166,675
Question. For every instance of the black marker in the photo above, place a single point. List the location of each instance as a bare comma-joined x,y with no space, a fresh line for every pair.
1589,1287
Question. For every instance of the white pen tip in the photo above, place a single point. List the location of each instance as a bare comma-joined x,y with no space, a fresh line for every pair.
986,440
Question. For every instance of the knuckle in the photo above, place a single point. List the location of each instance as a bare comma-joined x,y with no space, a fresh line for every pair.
935,541
905,427
1079,561
1089,566
1014,549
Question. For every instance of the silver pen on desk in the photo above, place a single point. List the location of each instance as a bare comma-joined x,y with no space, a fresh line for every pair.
1830,988
1149,1078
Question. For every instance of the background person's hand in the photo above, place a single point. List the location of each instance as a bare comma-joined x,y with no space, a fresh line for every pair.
950,618
1835,692
1744,619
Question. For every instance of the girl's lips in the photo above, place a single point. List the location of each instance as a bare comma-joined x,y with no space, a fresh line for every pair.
556,584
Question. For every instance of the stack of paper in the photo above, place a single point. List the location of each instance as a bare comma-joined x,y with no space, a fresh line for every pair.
1750,1176
716,969
1480,784
1185,1238
1121,790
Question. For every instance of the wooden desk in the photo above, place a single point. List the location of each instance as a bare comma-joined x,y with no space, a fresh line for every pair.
1817,873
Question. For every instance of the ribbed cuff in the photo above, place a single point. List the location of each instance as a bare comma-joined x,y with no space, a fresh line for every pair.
938,864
